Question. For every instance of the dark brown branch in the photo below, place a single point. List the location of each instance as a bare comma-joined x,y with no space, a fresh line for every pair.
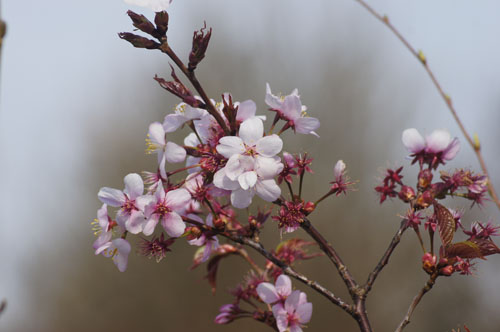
286,269
474,143
165,48
385,259
428,286
333,256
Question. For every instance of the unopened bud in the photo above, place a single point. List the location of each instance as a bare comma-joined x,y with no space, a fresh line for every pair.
424,178
142,23
193,232
406,194
429,262
446,271
425,199
309,207
138,41
201,39
161,21
220,222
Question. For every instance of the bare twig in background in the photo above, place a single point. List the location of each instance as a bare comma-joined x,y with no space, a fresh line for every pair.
3,305
3,30
473,142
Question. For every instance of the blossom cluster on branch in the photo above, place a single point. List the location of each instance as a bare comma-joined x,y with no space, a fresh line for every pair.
201,188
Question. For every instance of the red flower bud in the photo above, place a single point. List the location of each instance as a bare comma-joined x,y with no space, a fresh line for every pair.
406,194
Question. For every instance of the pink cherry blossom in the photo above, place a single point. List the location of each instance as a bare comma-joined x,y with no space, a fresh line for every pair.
118,250
155,5
183,113
165,207
294,313
290,108
130,200
167,151
270,293
104,227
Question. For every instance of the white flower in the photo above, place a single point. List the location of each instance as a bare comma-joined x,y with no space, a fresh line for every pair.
290,108
183,113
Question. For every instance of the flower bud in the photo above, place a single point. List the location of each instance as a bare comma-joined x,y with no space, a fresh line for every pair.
142,23
220,223
406,194
193,232
138,41
446,271
424,178
223,318
429,262
309,207
425,199
161,21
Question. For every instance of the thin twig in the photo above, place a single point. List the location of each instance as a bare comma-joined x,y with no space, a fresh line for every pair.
428,286
474,143
385,259
165,48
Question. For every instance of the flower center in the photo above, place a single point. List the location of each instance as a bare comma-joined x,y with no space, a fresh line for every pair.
162,209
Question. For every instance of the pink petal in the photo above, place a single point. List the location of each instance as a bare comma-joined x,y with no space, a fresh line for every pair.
339,169
268,190
247,180
121,258
102,216
452,149
251,131
230,145
267,292
110,196
268,168
173,122
150,225
234,167
241,198
173,224
306,125
174,153
102,242
269,146
292,107
177,199
223,182
283,285
304,311
295,328
413,141
292,301
438,140
191,140
134,186
135,223
271,100
157,134
246,110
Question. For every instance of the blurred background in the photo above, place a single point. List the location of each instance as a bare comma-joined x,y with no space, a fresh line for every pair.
76,102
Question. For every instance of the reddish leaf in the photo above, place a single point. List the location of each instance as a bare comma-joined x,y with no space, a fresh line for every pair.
446,223
486,246
466,249
213,264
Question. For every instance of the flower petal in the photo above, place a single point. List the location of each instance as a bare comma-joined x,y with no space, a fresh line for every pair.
306,125
247,180
174,153
150,225
121,258
157,134
135,222
112,197
268,190
246,110
173,122
304,311
177,199
452,149
269,146
271,100
230,145
173,224
284,285
242,198
292,107
251,130
267,292
438,140
413,141
268,168
223,182
134,186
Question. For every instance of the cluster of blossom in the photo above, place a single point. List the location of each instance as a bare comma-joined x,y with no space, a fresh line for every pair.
431,152
228,158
